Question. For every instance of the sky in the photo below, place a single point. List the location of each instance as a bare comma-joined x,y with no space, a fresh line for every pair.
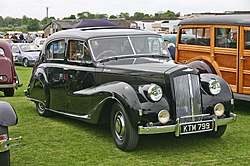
65,8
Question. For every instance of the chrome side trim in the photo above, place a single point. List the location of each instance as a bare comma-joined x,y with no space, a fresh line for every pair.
10,143
176,128
71,115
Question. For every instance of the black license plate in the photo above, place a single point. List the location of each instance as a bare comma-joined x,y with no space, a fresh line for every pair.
189,128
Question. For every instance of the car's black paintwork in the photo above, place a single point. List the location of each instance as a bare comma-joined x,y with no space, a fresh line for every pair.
88,90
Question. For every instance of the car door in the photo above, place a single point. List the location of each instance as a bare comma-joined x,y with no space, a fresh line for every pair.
244,61
80,76
55,54
225,53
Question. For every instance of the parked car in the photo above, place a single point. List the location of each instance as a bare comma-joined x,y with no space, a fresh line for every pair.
124,77
25,53
8,76
8,118
221,45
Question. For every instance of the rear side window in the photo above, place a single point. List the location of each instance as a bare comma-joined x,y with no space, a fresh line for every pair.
226,37
195,36
247,40
56,50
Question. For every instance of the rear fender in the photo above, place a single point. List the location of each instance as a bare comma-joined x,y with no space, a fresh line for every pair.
38,89
8,116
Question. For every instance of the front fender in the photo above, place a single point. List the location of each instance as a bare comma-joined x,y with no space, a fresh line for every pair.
8,116
225,96
117,91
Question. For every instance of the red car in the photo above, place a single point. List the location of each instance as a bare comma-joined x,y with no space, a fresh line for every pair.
8,76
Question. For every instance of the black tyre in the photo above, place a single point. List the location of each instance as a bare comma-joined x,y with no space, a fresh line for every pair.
124,135
25,62
41,110
216,134
9,92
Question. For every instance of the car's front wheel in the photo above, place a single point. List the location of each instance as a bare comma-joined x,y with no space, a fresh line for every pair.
25,62
124,135
40,107
216,134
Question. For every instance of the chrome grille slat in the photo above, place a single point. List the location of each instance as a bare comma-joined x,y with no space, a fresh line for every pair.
187,95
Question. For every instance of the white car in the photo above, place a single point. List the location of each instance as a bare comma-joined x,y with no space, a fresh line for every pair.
25,53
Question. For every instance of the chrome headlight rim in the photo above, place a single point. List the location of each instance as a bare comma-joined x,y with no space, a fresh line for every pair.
219,109
214,87
163,116
155,92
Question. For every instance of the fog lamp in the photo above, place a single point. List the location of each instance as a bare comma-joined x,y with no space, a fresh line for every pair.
214,87
154,92
219,109
163,116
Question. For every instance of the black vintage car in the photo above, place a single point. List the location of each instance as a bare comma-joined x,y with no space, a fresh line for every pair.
125,77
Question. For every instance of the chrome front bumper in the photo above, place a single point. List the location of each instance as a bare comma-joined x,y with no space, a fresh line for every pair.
176,127
4,86
9,143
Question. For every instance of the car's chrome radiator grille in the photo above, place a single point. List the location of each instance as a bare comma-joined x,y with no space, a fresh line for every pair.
187,95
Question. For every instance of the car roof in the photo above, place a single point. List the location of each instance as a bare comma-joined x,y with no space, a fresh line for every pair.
87,33
240,20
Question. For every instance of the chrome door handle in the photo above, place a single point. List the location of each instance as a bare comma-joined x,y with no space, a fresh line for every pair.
242,58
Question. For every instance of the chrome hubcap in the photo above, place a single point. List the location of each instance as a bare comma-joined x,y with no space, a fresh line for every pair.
41,108
119,124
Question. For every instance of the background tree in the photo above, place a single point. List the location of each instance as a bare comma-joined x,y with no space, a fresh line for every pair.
124,15
72,16
85,15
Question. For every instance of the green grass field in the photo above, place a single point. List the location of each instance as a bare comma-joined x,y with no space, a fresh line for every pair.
61,141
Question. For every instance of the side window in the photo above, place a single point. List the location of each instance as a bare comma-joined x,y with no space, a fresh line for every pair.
78,51
14,49
226,37
56,50
247,40
195,36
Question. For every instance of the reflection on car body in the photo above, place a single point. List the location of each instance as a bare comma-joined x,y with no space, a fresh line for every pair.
124,77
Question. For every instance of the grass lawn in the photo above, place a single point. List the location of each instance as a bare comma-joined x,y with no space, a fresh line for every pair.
61,141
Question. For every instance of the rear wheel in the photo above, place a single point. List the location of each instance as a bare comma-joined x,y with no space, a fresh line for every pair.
216,134
25,62
40,107
9,92
124,135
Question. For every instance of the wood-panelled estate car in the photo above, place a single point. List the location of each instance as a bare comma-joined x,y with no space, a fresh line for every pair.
124,77
221,45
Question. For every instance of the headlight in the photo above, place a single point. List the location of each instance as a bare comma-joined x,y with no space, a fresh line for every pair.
214,87
154,92
219,109
163,116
